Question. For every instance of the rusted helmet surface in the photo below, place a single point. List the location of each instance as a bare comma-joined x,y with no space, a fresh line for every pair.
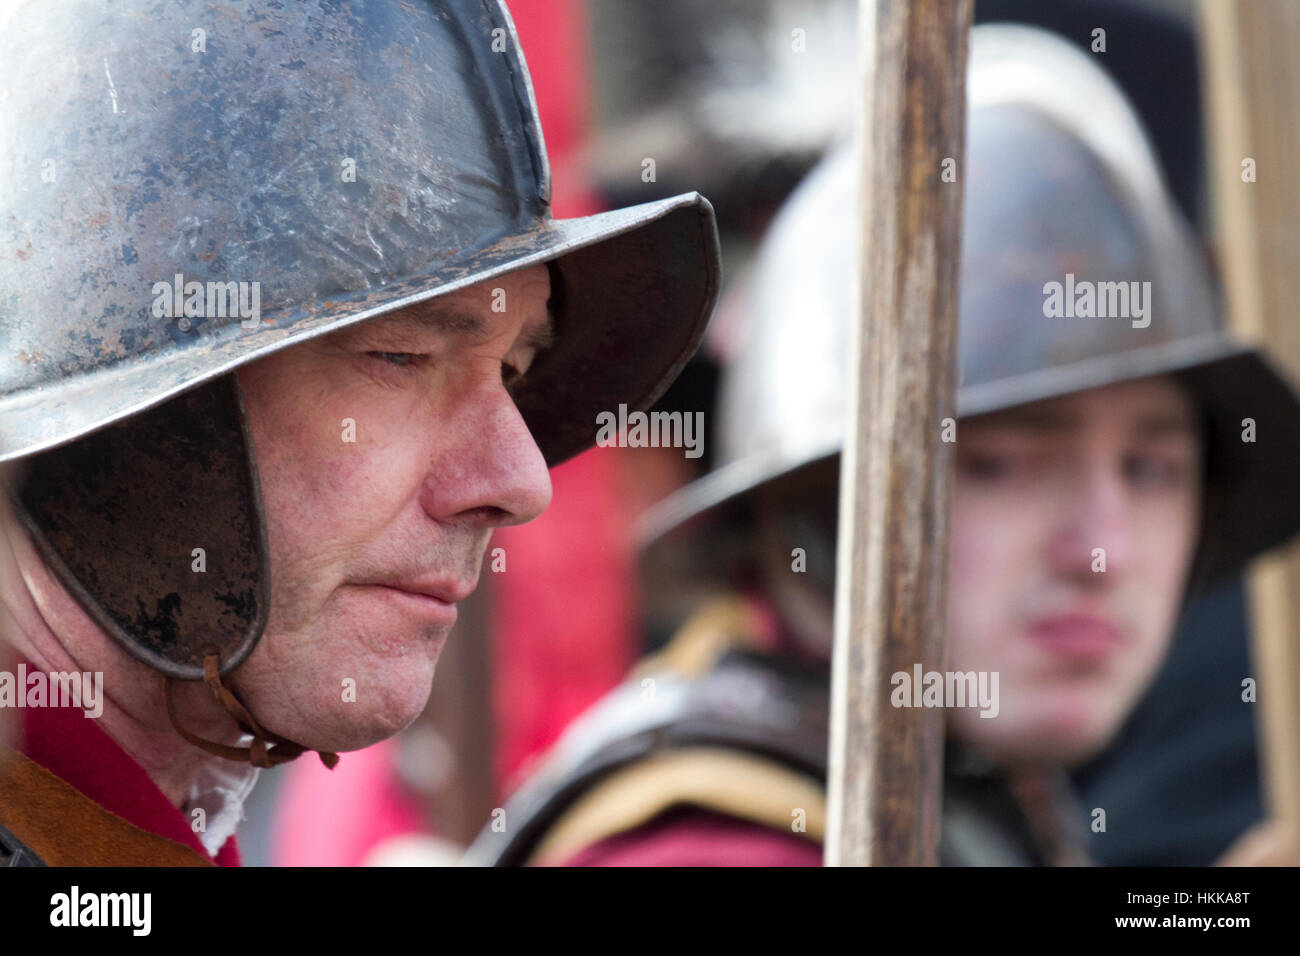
189,186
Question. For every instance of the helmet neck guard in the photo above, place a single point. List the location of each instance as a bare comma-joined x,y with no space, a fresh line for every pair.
154,525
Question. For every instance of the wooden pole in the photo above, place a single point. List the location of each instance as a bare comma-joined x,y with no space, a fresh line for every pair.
1252,60
886,763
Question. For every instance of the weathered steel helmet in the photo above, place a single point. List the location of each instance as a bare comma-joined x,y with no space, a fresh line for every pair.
1060,181
349,158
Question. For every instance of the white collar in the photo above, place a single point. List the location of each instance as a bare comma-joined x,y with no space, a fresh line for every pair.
219,792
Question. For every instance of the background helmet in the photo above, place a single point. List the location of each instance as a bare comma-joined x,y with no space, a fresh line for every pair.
1059,180
351,158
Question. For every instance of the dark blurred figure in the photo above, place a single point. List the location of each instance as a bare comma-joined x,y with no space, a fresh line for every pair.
1183,779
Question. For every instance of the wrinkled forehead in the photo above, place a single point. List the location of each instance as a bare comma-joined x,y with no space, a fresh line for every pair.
509,292
480,312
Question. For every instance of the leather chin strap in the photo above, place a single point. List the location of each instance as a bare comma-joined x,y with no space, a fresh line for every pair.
259,754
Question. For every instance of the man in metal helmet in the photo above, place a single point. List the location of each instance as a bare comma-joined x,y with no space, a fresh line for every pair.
1115,450
288,331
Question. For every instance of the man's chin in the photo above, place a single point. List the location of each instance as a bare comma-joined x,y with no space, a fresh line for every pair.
1051,739
341,734
352,721
1061,751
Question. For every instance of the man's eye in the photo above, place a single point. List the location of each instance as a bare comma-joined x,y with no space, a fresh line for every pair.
986,467
400,359
1155,471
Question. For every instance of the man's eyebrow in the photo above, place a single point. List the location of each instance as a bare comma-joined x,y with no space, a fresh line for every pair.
1052,421
441,319
1161,425
1042,420
460,322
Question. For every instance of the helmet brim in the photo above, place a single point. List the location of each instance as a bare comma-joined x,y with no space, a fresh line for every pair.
639,286
1251,502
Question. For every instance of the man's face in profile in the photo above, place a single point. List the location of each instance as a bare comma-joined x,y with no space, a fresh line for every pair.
387,453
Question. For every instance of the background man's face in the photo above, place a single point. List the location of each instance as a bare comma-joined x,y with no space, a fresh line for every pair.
356,528
1037,491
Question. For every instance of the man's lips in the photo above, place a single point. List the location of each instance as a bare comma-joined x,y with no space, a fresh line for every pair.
1084,637
448,592
435,610
434,601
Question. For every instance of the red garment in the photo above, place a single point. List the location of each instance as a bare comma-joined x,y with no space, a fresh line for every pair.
564,610
693,837
72,746
360,804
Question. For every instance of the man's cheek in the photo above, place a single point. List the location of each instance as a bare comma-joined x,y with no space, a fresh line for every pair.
318,458
974,579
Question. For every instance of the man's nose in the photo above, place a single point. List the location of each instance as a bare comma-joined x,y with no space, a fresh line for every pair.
1093,537
491,470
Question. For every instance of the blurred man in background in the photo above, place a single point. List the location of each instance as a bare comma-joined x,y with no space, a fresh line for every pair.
1102,471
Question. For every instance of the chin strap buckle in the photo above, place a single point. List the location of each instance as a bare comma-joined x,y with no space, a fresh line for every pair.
267,749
